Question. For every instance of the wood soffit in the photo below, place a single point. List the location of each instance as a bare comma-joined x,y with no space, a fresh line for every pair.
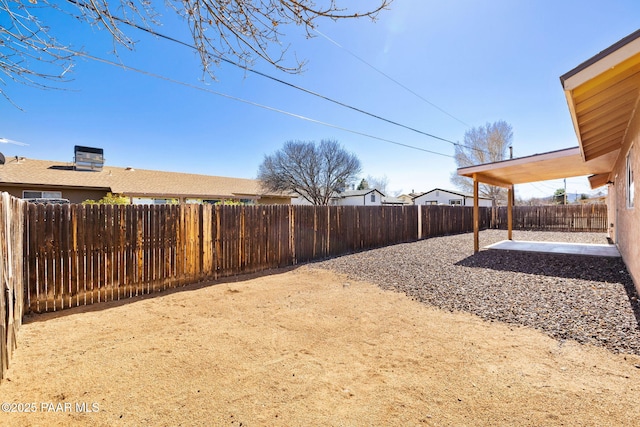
602,98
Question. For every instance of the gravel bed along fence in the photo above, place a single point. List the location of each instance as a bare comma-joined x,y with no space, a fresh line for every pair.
587,299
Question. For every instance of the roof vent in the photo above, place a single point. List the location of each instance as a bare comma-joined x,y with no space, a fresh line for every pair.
88,158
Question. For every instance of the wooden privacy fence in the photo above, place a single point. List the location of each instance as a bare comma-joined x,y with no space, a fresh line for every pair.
321,231
59,256
442,220
77,255
591,217
11,268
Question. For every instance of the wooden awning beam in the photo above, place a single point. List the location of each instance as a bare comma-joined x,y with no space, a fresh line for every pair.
491,180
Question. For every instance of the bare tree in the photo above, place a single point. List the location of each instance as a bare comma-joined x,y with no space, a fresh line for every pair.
380,183
314,171
485,144
374,183
239,30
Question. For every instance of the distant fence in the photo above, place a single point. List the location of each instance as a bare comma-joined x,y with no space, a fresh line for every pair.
11,268
590,217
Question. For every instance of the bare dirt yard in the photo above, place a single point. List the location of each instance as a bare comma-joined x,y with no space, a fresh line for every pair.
305,346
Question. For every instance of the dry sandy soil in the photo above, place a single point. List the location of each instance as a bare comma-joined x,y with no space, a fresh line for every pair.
305,347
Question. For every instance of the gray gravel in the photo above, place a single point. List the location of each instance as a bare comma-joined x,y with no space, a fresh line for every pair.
569,297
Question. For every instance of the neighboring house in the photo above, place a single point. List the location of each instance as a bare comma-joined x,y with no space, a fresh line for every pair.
438,196
393,201
408,198
602,94
369,197
299,200
29,178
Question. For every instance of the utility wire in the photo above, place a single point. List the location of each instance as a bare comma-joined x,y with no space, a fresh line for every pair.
391,78
310,92
255,104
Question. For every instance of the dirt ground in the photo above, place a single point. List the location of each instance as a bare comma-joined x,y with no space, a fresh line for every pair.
305,347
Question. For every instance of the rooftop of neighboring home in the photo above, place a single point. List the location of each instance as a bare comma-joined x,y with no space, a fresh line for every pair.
457,193
24,172
353,193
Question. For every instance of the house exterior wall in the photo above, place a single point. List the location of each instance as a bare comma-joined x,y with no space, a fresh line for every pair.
73,195
299,200
364,200
79,195
626,220
481,202
407,200
442,197
266,200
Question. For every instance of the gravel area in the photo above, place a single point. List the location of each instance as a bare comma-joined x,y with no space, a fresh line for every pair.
570,297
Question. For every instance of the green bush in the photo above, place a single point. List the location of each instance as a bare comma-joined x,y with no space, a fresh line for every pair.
109,199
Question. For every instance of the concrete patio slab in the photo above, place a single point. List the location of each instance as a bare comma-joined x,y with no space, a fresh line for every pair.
557,248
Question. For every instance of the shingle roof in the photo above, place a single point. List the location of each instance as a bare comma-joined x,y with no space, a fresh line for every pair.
602,54
128,181
457,193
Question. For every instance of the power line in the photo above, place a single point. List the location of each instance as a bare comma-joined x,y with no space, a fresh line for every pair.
391,78
310,92
255,104
302,89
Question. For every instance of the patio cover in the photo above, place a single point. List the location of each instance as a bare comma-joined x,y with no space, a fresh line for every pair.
602,94
540,167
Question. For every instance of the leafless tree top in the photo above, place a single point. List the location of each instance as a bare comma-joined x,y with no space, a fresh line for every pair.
483,144
237,30
317,172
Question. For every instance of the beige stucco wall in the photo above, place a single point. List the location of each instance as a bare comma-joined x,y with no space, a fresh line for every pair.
626,229
266,200
74,195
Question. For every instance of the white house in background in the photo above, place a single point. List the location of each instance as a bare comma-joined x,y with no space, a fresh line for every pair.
369,197
438,196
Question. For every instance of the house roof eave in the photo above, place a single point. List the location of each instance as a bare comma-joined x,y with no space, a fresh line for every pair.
602,95
540,167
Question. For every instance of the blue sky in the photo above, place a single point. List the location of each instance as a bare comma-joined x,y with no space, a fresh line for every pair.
478,61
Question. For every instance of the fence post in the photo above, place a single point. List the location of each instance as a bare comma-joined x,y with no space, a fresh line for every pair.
292,235
328,252
419,222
